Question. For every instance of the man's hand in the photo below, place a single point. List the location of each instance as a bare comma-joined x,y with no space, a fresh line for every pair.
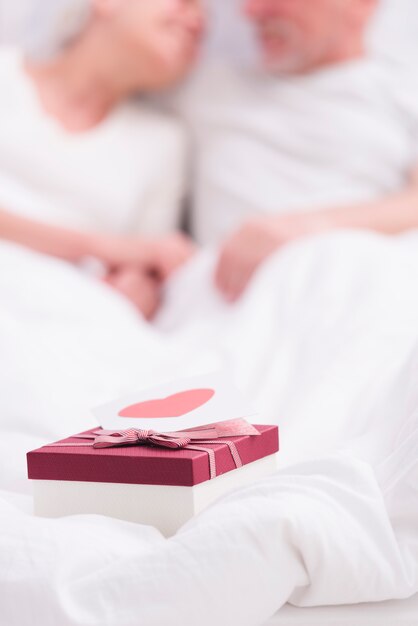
167,254
158,257
137,267
254,242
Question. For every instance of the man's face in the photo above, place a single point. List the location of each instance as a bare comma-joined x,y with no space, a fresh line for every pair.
299,35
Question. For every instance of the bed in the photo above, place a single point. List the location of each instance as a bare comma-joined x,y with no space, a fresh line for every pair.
337,524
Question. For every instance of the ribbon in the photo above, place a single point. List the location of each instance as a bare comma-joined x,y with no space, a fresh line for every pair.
212,434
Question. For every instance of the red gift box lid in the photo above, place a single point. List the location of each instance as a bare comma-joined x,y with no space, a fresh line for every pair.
146,465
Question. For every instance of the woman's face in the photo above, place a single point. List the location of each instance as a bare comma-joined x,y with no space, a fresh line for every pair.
128,46
163,36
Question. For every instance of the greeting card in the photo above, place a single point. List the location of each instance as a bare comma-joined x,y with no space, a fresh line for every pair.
177,405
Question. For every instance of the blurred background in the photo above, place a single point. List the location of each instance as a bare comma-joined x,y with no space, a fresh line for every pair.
165,116
77,179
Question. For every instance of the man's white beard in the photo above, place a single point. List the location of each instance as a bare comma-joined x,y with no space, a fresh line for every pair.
287,65
295,59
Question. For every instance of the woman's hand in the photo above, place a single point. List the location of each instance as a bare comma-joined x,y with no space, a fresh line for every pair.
135,266
244,252
160,255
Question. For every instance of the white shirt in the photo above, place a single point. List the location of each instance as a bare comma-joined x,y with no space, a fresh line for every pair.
342,135
127,175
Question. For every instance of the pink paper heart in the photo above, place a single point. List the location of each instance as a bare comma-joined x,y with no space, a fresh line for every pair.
174,406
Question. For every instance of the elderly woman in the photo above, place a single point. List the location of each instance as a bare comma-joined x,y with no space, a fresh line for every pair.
86,57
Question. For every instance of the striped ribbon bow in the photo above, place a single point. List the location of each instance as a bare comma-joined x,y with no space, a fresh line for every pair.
194,439
134,437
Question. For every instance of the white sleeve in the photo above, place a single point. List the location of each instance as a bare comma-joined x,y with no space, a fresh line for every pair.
405,91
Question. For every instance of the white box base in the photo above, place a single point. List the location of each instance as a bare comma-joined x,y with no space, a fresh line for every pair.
165,507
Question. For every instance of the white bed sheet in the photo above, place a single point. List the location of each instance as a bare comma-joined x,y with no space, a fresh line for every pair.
399,613
325,342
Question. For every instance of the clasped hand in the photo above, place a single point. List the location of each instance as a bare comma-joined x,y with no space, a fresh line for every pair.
138,267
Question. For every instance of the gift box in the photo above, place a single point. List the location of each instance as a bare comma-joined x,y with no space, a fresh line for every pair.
146,477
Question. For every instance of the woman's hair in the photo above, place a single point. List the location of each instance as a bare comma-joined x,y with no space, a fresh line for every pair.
42,28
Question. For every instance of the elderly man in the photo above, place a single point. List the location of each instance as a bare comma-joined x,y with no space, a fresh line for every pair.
326,138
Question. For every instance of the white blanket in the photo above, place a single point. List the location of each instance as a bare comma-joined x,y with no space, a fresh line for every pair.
325,341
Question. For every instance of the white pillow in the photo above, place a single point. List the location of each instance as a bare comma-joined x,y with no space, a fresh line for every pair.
128,174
